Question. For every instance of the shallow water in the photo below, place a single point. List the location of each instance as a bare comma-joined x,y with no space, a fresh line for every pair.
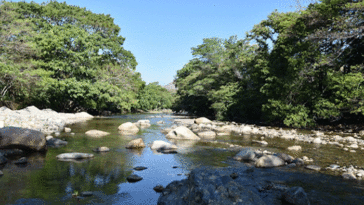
45,180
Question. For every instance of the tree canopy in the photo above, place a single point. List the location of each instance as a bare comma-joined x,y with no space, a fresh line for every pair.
64,57
296,68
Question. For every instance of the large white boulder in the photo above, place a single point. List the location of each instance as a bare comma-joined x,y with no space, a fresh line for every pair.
269,161
182,132
128,128
202,120
160,145
96,133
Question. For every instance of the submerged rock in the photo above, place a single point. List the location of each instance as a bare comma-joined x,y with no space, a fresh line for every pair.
74,155
140,168
296,195
22,160
101,149
158,188
54,142
96,133
134,178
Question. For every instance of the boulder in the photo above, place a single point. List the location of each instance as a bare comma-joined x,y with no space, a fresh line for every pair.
143,123
22,138
287,158
202,120
128,128
296,195
140,168
215,186
269,161
22,160
54,142
96,133
158,188
317,141
225,130
74,155
207,135
313,167
182,132
294,148
166,130
134,178
160,145
101,149
135,144
361,133
245,154
67,129
2,124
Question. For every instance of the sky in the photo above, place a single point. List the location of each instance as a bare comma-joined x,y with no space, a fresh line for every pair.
161,33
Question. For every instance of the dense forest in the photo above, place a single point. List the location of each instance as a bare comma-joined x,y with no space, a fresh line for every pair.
297,69
69,59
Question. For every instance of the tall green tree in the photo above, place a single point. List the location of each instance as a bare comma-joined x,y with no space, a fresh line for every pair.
74,57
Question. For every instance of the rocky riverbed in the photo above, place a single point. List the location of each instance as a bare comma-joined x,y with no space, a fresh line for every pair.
205,130
47,121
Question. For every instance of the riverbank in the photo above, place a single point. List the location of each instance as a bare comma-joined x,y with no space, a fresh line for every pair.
47,121
341,147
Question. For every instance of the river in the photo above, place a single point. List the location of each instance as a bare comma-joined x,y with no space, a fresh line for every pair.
45,180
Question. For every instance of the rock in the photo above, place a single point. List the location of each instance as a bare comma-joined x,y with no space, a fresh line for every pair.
287,158
182,132
296,195
143,123
263,143
67,129
294,148
215,186
128,128
57,134
349,139
247,130
224,130
354,146
161,122
317,141
160,145
298,162
140,168
165,131
2,124
74,155
22,160
207,135
54,142
269,161
22,138
1,173
234,175
245,154
349,176
202,120
49,137
101,149
158,188
3,159
135,144
313,167
96,133
134,178
361,133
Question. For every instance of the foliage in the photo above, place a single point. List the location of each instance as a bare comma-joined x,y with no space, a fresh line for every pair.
154,96
64,57
295,68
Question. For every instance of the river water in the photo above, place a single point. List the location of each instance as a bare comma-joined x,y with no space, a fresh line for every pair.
45,180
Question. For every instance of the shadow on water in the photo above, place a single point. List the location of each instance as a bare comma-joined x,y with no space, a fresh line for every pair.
45,180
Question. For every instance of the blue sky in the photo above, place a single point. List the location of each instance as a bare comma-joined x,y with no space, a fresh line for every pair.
160,33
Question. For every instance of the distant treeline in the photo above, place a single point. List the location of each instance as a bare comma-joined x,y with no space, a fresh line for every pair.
69,59
297,68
